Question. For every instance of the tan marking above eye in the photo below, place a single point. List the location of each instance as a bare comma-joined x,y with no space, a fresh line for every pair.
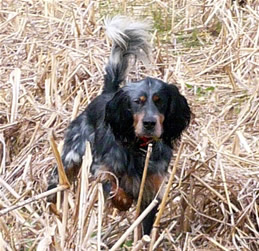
142,99
156,98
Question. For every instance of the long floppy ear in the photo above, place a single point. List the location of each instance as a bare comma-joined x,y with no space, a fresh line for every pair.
178,115
119,116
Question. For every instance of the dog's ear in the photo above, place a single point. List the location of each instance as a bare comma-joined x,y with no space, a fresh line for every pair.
118,114
178,115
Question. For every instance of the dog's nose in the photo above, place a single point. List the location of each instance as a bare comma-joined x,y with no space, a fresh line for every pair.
149,123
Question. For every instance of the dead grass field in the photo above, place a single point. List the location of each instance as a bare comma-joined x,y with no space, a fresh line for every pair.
51,64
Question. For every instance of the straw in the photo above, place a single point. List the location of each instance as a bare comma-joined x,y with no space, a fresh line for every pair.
52,57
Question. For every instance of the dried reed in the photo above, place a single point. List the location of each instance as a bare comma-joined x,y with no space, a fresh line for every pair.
52,57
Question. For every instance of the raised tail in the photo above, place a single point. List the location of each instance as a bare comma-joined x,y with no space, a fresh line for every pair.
129,38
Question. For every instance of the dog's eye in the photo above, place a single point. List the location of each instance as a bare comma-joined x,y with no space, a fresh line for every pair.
156,99
140,100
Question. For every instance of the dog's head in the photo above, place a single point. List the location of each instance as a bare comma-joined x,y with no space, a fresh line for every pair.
148,109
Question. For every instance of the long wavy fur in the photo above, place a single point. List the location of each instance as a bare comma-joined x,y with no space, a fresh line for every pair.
129,38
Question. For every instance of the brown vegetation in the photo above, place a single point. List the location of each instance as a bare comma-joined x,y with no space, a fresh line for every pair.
51,65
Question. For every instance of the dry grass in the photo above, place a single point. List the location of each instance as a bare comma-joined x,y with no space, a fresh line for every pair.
52,59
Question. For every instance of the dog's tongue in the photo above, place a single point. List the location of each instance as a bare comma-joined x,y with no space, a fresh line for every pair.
145,141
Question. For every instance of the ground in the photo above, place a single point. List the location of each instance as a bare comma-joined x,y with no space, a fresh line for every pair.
52,62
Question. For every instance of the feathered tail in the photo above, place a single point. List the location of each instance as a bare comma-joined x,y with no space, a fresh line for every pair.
128,38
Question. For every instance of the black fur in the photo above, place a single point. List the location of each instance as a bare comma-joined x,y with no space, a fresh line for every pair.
121,121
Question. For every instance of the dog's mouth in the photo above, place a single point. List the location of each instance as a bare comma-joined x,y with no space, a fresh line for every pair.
148,135
146,139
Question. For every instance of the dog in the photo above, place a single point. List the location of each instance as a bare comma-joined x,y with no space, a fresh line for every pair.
122,121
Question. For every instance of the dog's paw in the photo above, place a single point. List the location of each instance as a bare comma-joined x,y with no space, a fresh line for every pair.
121,200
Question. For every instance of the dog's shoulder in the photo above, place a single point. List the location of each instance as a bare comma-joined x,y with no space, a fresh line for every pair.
95,111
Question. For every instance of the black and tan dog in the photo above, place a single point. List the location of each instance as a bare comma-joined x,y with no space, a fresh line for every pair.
121,122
